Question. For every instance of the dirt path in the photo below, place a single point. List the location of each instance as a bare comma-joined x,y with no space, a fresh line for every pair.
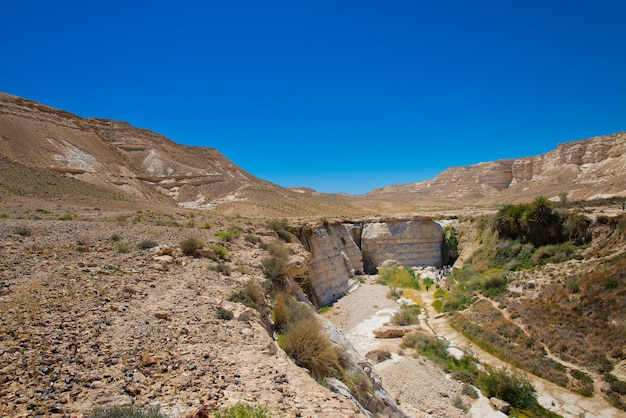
550,396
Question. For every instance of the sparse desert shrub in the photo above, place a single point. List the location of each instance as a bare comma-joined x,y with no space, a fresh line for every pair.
115,237
206,225
127,412
240,410
407,315
190,224
224,314
67,217
23,231
190,245
302,337
251,238
219,251
274,267
146,244
394,293
221,268
122,247
251,295
307,344
469,390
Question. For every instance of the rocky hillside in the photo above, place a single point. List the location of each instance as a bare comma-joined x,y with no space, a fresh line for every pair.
583,169
50,154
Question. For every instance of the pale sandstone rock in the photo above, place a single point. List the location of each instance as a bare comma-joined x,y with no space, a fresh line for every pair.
411,243
391,331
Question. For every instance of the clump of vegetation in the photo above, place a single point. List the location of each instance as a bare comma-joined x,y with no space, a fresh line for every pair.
190,245
282,229
240,410
127,412
224,314
228,235
302,337
275,265
146,244
122,247
394,293
221,268
407,315
253,239
397,276
250,295
23,231
219,251
512,388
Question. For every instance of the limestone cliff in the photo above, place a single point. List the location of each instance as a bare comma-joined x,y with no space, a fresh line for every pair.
584,169
410,243
335,258
340,251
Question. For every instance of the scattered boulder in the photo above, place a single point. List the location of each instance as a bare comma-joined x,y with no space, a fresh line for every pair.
395,331
500,405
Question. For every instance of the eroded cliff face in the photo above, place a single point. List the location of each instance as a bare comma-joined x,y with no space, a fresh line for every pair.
584,169
340,251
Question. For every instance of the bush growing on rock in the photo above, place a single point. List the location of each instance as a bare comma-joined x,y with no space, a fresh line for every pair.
302,337
189,245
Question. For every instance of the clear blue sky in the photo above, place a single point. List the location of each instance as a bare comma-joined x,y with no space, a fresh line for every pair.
340,96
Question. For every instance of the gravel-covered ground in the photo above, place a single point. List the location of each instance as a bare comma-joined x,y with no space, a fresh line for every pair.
421,388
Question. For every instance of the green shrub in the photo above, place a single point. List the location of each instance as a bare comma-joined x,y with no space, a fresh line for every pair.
206,225
219,251
512,388
398,277
252,238
224,314
67,217
240,410
146,244
122,247
190,245
407,315
190,224
229,235
126,412
115,237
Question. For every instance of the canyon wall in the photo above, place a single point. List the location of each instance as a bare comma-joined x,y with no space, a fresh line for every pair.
341,251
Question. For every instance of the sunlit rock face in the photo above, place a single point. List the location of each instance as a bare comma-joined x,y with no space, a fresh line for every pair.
341,251
410,243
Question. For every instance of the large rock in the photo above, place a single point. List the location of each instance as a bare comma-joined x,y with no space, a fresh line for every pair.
409,242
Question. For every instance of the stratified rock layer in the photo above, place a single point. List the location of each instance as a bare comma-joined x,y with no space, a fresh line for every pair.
410,243
340,251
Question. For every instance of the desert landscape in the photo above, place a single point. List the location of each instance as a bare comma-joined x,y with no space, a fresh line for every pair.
138,276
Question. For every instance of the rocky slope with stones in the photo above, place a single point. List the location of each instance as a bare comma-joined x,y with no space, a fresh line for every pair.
49,154
86,321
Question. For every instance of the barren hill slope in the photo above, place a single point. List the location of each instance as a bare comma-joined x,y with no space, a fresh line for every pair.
584,169
47,152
